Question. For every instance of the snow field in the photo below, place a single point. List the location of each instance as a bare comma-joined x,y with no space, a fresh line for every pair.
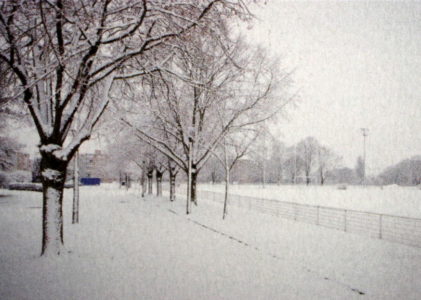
130,248
392,200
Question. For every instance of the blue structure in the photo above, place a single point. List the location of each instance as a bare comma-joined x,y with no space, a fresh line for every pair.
90,181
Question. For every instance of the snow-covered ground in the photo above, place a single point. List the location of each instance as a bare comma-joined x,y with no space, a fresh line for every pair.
126,247
392,200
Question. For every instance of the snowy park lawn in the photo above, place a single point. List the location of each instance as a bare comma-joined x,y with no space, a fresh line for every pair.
392,200
126,247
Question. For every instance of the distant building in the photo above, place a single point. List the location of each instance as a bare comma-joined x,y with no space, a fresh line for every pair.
93,165
23,161
16,161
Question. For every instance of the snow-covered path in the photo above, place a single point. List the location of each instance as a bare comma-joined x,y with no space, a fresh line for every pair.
129,248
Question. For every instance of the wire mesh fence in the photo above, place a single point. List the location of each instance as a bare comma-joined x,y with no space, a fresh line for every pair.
398,229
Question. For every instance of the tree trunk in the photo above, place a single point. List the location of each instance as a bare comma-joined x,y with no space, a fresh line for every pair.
150,175
307,178
158,183
172,186
143,183
263,173
227,182
53,175
213,177
127,180
279,175
75,211
193,190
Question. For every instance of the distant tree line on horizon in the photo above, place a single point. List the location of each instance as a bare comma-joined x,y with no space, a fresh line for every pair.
272,162
282,165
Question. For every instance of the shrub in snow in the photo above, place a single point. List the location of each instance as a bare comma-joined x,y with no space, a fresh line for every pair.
20,176
342,187
7,178
36,187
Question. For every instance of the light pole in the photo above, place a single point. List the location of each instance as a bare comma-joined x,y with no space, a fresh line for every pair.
365,134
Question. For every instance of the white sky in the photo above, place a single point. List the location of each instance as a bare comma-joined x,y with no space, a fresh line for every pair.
358,64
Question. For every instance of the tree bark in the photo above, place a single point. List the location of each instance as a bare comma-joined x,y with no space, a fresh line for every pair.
227,182
280,174
53,175
159,183
150,175
172,186
307,178
127,180
75,211
143,183
193,190
213,177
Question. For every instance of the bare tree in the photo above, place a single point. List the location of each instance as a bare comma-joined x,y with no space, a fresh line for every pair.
327,160
128,154
360,169
232,148
307,150
277,160
259,154
293,165
406,172
184,100
268,153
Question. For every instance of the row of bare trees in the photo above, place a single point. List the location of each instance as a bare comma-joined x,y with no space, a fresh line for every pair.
307,162
209,99
65,59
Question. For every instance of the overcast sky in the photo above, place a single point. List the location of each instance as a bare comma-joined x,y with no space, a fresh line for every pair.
358,64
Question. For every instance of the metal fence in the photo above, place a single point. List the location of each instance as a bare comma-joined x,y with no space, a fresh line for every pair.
403,230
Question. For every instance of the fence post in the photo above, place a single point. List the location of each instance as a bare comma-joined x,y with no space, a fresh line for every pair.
345,213
380,226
